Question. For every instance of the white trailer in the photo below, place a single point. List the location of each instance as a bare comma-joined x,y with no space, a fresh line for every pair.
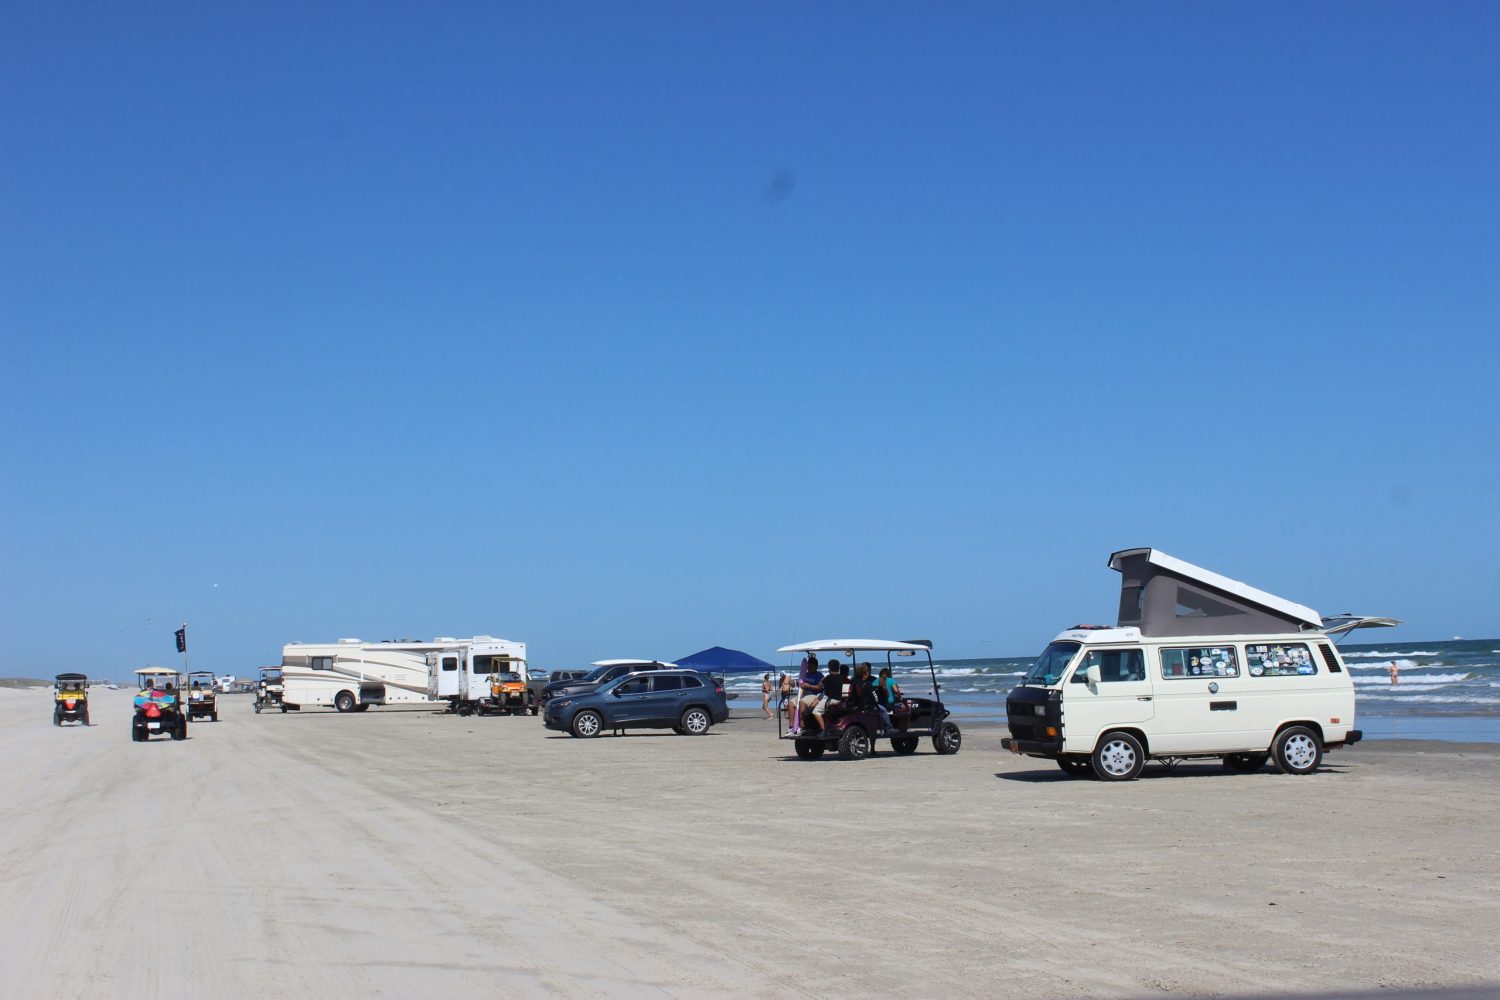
351,675
463,673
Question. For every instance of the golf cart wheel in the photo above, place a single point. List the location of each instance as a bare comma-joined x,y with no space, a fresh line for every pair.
1298,750
587,724
694,722
1245,762
214,716
283,709
1076,767
810,749
1119,757
948,739
854,744
904,744
535,708
343,702
56,718
85,718
179,732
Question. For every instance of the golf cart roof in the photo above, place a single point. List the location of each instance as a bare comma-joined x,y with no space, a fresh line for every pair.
72,677
200,673
159,672
631,663
857,645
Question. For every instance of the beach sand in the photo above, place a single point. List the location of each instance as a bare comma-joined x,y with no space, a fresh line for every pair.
405,853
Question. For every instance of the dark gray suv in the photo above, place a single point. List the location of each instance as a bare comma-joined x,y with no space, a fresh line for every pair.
681,700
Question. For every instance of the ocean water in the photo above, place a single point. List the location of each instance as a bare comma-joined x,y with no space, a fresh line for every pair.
1448,690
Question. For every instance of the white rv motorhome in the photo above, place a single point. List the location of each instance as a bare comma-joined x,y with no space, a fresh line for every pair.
351,675
1197,665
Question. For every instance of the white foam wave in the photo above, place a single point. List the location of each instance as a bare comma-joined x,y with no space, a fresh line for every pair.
1435,699
1382,667
1416,679
1377,654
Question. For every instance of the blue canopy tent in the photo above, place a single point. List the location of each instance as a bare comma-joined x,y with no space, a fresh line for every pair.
718,660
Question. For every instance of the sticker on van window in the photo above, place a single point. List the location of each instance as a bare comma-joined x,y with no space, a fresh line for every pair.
1290,659
1218,661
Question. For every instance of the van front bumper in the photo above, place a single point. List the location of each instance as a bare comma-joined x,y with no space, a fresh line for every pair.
1036,748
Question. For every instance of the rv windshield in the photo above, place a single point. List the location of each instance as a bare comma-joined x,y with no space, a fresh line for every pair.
1050,666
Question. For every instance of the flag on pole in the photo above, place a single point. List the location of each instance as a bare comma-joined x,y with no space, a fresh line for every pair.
182,639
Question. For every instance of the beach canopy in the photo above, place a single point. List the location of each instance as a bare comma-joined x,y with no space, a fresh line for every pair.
718,660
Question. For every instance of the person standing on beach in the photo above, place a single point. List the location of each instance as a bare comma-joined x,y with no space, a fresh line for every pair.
1395,674
787,699
765,695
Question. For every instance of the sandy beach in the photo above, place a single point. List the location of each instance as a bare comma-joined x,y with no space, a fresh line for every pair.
401,852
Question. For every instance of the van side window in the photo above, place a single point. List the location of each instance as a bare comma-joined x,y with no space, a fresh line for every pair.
1200,661
1114,665
321,663
1280,659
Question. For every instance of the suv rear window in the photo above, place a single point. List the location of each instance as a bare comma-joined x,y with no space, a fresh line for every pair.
690,681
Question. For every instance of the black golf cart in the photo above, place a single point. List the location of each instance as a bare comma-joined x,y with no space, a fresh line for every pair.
70,701
268,690
853,730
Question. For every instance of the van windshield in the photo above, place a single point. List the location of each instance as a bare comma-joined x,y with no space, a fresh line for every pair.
1049,667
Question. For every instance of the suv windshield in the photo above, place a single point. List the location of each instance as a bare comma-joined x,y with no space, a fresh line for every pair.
1048,668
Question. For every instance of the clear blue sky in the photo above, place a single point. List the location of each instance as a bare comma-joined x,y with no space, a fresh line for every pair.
631,330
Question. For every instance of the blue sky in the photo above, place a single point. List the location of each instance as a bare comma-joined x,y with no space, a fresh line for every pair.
629,331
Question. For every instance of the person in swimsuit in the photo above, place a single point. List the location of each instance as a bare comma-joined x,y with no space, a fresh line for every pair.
765,695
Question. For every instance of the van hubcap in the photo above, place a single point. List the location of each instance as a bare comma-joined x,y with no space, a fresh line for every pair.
1300,751
1117,757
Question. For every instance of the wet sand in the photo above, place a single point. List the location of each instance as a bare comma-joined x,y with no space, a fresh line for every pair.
399,852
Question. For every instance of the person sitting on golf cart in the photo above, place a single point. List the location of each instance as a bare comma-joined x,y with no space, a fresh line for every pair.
887,696
833,693
811,686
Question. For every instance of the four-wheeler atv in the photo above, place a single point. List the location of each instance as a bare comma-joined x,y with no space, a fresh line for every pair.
202,696
852,729
70,701
158,705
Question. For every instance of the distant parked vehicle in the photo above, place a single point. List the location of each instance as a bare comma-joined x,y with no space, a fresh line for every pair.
603,672
684,701
158,705
70,701
203,700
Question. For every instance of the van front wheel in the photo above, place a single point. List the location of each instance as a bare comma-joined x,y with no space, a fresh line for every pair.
1298,750
1119,757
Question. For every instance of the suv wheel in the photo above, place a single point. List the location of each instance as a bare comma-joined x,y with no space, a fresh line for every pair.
343,701
694,722
1298,750
854,744
587,724
1119,757
947,739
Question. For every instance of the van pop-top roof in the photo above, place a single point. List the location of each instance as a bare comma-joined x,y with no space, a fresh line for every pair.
1162,595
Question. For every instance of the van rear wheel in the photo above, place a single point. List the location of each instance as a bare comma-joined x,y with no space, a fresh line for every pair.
1298,750
1118,757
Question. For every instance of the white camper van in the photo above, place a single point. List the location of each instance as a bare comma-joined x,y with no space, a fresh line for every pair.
1198,665
351,675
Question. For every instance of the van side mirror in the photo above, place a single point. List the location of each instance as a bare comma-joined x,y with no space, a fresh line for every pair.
1094,675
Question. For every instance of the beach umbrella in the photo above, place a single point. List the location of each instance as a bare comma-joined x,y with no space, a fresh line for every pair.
718,660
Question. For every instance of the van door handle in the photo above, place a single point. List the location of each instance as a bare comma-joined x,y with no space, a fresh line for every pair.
1143,697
